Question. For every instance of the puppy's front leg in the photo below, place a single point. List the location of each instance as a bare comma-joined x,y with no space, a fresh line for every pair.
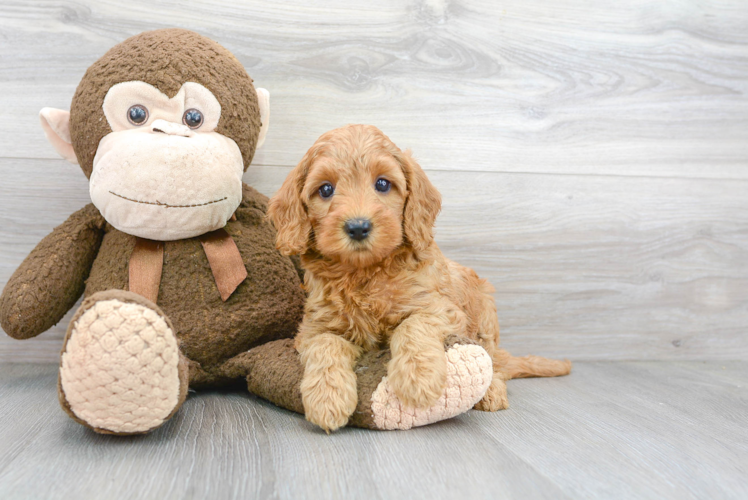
328,388
418,370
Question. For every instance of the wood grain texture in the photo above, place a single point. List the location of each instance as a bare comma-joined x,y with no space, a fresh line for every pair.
610,430
593,157
585,267
621,88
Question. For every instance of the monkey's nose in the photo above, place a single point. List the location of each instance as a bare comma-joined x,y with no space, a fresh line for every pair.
171,128
357,229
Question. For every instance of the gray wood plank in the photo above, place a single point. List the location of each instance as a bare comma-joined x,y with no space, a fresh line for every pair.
634,88
610,430
634,430
586,267
229,445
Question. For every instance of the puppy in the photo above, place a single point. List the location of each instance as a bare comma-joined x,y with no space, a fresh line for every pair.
361,212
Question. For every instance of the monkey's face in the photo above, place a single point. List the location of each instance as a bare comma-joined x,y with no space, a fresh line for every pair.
163,125
163,172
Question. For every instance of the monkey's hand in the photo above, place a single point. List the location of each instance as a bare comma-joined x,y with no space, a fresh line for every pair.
52,277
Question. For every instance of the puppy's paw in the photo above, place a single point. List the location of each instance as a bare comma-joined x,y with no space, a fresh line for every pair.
418,381
495,398
329,398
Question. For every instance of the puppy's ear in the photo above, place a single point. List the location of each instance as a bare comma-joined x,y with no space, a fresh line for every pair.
288,213
421,207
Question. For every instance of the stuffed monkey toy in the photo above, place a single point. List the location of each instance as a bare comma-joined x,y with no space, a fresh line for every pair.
182,284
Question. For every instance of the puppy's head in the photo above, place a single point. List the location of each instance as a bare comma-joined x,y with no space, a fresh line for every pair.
355,197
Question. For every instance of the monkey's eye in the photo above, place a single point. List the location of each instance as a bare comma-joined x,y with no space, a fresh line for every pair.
193,118
382,185
326,190
137,115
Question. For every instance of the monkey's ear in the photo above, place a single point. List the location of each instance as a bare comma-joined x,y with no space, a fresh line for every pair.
56,125
263,99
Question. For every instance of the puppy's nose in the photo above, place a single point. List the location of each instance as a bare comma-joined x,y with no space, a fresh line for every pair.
357,229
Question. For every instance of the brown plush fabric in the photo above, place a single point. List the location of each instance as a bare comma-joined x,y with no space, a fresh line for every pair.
166,59
370,370
52,277
273,372
268,305
122,296
456,339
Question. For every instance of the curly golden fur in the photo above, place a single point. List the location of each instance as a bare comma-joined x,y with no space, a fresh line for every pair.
392,288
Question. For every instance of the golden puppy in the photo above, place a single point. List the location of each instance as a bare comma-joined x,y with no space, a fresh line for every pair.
360,212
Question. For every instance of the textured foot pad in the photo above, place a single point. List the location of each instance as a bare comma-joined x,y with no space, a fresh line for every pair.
469,373
119,370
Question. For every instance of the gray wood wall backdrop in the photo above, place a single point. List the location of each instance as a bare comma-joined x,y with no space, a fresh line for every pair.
592,156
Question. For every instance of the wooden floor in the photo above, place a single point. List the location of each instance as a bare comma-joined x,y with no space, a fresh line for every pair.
610,430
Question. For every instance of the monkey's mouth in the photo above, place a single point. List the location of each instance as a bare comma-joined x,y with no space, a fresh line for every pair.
166,205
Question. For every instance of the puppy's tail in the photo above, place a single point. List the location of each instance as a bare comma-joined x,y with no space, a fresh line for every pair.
530,366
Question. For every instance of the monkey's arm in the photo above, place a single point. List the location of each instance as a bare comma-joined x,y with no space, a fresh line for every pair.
52,277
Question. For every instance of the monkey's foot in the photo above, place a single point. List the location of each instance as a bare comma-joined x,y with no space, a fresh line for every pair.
121,370
469,374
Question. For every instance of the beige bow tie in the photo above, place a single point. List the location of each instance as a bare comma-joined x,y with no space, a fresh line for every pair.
147,262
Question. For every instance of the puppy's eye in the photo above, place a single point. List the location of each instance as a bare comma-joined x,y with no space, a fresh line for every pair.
382,185
193,118
326,190
137,115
